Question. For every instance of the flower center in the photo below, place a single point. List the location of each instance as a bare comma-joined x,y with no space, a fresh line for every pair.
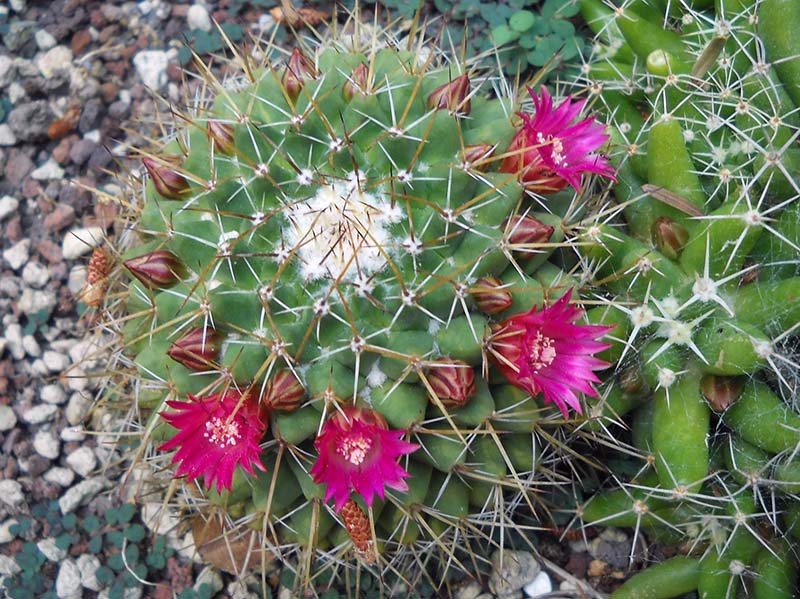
354,448
556,148
542,352
222,433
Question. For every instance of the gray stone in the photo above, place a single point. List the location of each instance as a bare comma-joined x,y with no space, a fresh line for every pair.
50,550
88,565
471,590
18,254
48,171
8,419
35,274
511,571
82,461
47,445
40,413
20,34
91,117
57,475
11,492
35,300
7,70
53,394
29,121
68,581
81,493
7,137
152,67
8,206
81,151
78,242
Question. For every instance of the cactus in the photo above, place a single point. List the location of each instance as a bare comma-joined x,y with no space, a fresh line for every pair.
338,287
698,250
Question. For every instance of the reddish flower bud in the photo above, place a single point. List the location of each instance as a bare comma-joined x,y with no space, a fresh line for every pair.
476,156
283,392
669,236
298,70
96,278
453,381
157,270
168,181
526,231
197,349
357,83
356,522
721,391
222,134
490,296
453,96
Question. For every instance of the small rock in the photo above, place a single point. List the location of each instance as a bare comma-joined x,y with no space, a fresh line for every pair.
31,346
18,6
72,433
50,550
18,254
6,70
33,301
68,581
470,590
29,121
78,242
82,492
8,567
210,577
510,575
60,218
55,361
80,40
48,171
57,475
20,34
39,413
14,340
76,408
88,565
44,39
152,67
35,275
55,61
47,445
8,419
197,17
5,533
76,278
81,151
7,137
541,585
11,492
8,205
82,461
53,394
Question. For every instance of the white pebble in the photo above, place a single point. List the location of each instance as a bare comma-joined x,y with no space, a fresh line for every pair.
57,475
76,408
7,137
18,254
55,61
11,492
55,361
39,413
76,279
88,565
14,338
541,585
33,301
8,419
53,394
48,171
50,550
8,567
8,206
44,39
210,577
35,274
68,581
82,461
47,445
152,67
31,346
81,492
5,531
197,17
78,242
72,433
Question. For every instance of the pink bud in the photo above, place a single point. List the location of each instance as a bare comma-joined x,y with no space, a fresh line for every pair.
453,381
298,70
222,134
490,296
453,96
157,270
283,392
197,349
721,391
357,83
168,181
526,231
476,156
669,236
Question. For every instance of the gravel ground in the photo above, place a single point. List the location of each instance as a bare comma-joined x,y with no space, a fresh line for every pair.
75,88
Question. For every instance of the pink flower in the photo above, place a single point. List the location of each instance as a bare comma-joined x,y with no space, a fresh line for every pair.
543,352
215,434
357,452
548,153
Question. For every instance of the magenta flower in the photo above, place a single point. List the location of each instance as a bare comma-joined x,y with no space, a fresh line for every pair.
357,452
543,352
548,153
216,434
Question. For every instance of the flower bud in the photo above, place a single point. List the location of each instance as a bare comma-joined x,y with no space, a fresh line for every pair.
526,230
669,236
283,392
97,278
197,349
453,381
476,156
357,83
453,96
157,270
490,296
721,391
222,134
168,181
356,523
298,70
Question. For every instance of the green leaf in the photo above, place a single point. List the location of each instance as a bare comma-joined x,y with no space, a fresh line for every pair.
70,522
522,20
115,562
234,31
96,544
528,40
132,554
116,538
569,9
564,29
126,512
104,575
134,533
503,35
90,524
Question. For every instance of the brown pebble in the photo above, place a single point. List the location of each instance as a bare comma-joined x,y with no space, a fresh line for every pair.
61,151
31,188
597,568
109,92
80,40
13,229
107,33
62,217
64,125
97,18
50,251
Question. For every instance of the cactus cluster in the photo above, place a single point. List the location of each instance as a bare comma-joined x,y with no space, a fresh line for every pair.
697,259
337,287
